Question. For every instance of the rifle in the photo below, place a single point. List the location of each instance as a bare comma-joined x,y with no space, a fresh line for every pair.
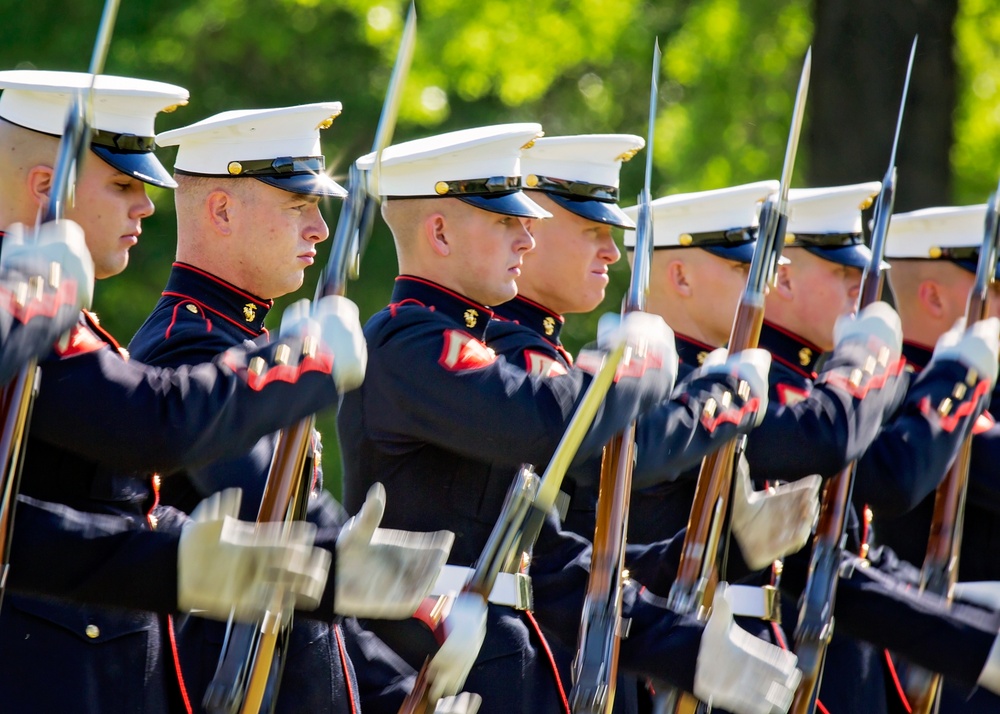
939,572
815,624
17,397
595,667
693,588
528,502
244,674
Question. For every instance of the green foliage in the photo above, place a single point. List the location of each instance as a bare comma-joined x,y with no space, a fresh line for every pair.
976,153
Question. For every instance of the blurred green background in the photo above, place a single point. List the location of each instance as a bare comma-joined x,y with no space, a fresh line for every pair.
577,66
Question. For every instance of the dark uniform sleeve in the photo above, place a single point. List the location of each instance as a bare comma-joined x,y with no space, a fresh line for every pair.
889,612
915,447
173,417
442,386
832,424
92,558
704,412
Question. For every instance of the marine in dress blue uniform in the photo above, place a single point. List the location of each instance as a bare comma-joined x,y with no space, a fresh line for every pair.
797,395
444,421
199,315
576,178
934,253
114,660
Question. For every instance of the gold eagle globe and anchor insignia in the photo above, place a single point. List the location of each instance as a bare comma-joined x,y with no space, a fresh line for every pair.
549,325
249,311
471,317
805,356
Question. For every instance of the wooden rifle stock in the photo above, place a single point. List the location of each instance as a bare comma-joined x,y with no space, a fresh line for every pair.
17,396
939,572
595,668
815,625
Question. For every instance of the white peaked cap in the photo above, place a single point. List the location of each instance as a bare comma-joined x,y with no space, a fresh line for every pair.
929,232
680,217
124,111
480,166
39,100
581,173
829,210
280,147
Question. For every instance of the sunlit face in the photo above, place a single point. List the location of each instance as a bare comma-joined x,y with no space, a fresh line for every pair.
719,284
823,291
485,252
109,206
277,232
568,269
956,294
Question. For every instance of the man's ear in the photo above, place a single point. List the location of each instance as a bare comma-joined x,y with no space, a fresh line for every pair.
677,277
783,282
931,298
435,232
40,184
221,208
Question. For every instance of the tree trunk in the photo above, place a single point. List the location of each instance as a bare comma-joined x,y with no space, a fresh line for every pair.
860,49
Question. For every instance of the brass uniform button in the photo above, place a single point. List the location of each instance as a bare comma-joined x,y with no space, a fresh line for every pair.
192,308
92,631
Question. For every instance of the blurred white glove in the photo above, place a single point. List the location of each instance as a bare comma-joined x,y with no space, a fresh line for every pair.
465,628
976,347
738,672
56,242
648,336
772,524
878,322
982,593
384,573
333,320
225,565
752,366
464,703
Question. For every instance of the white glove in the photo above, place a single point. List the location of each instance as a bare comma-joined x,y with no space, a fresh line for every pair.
772,524
976,348
877,323
226,566
981,593
384,573
464,703
334,320
465,629
738,672
752,366
648,336
56,242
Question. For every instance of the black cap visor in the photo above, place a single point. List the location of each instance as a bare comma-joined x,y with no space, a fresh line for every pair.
306,183
513,203
855,256
142,165
597,211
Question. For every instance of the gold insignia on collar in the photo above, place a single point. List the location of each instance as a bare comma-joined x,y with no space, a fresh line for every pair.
249,311
701,357
805,356
471,317
549,325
